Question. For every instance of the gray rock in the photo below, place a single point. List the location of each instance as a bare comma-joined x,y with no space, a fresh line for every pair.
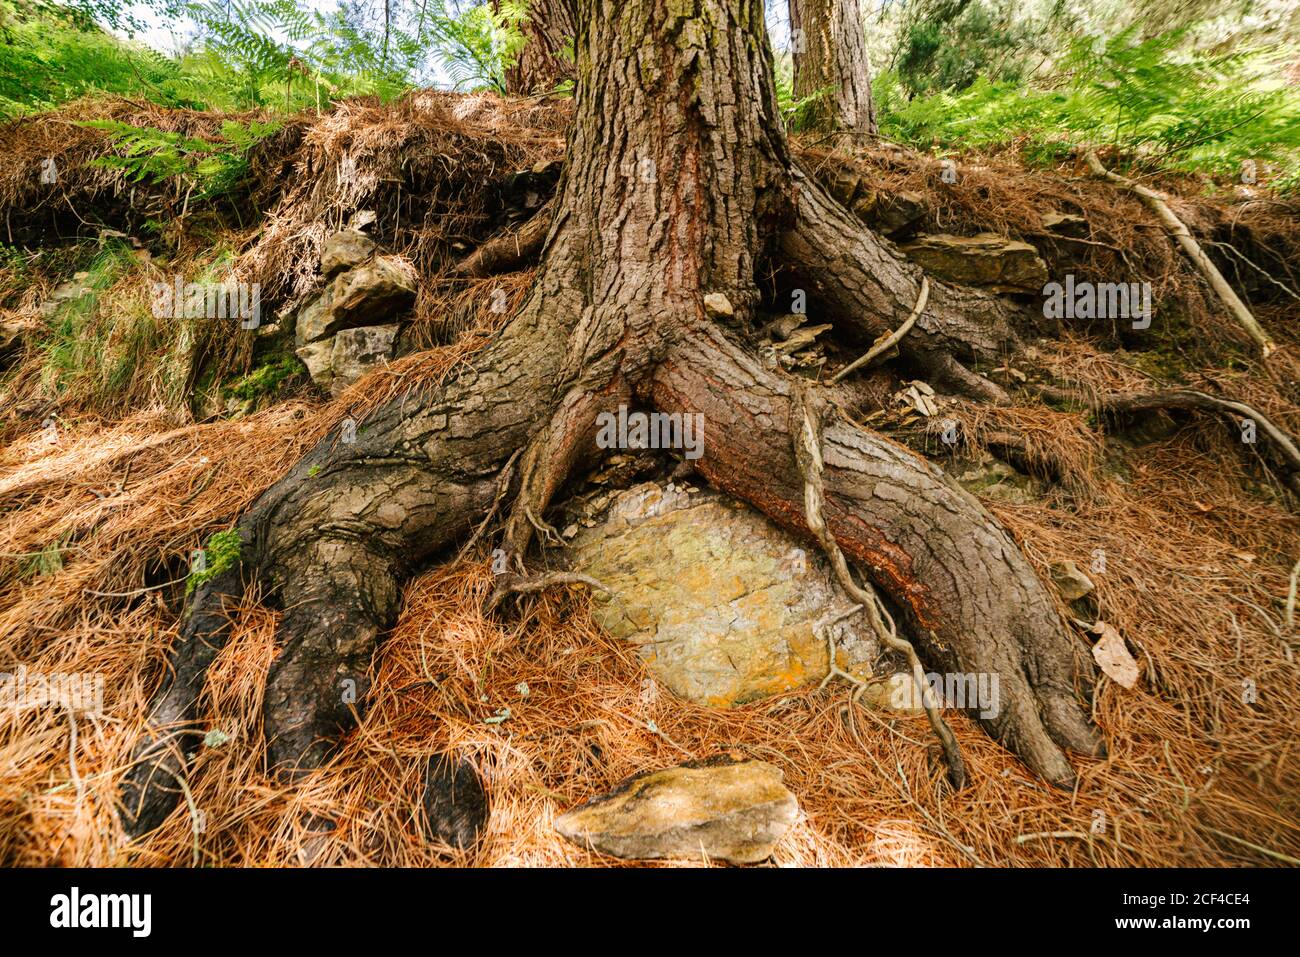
994,479
318,357
1066,224
893,214
724,606
345,250
67,292
371,294
993,262
723,810
358,350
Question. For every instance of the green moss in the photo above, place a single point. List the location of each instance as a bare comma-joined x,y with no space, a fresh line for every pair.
221,552
265,379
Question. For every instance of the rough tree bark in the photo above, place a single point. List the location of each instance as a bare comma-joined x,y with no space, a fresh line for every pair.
829,51
540,65
678,186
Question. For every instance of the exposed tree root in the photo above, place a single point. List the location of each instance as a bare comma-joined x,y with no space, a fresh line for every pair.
1239,413
888,342
513,584
512,251
863,284
958,580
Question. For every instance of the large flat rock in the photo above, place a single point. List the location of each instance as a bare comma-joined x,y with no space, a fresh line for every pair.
987,260
724,606
722,810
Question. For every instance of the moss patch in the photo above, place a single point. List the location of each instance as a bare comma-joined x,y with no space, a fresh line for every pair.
221,552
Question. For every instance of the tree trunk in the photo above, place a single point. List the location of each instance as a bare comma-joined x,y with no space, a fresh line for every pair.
829,50
678,186
541,65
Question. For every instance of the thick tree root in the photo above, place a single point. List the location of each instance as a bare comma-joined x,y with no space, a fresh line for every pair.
514,250
865,287
154,784
808,455
333,540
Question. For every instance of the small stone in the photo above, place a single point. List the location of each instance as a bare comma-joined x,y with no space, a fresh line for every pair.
1070,582
893,214
718,306
318,358
719,810
1066,224
345,250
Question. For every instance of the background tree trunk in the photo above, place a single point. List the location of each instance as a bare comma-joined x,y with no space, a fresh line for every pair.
541,65
829,51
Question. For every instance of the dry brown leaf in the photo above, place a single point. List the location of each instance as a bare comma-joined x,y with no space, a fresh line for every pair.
1113,657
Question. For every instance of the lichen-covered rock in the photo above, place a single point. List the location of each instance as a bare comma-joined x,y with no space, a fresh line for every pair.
337,362
994,479
993,262
724,606
721,810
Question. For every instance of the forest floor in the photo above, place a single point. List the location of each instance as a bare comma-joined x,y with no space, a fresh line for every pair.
112,472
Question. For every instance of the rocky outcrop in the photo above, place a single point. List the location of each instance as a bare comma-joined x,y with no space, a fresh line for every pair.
992,262
896,215
722,810
724,606
346,330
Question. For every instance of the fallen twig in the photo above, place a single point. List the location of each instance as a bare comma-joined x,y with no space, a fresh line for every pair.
881,346
1199,259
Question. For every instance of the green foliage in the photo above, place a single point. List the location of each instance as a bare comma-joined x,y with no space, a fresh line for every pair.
948,44
210,168
247,54
1165,107
50,56
478,45
220,553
